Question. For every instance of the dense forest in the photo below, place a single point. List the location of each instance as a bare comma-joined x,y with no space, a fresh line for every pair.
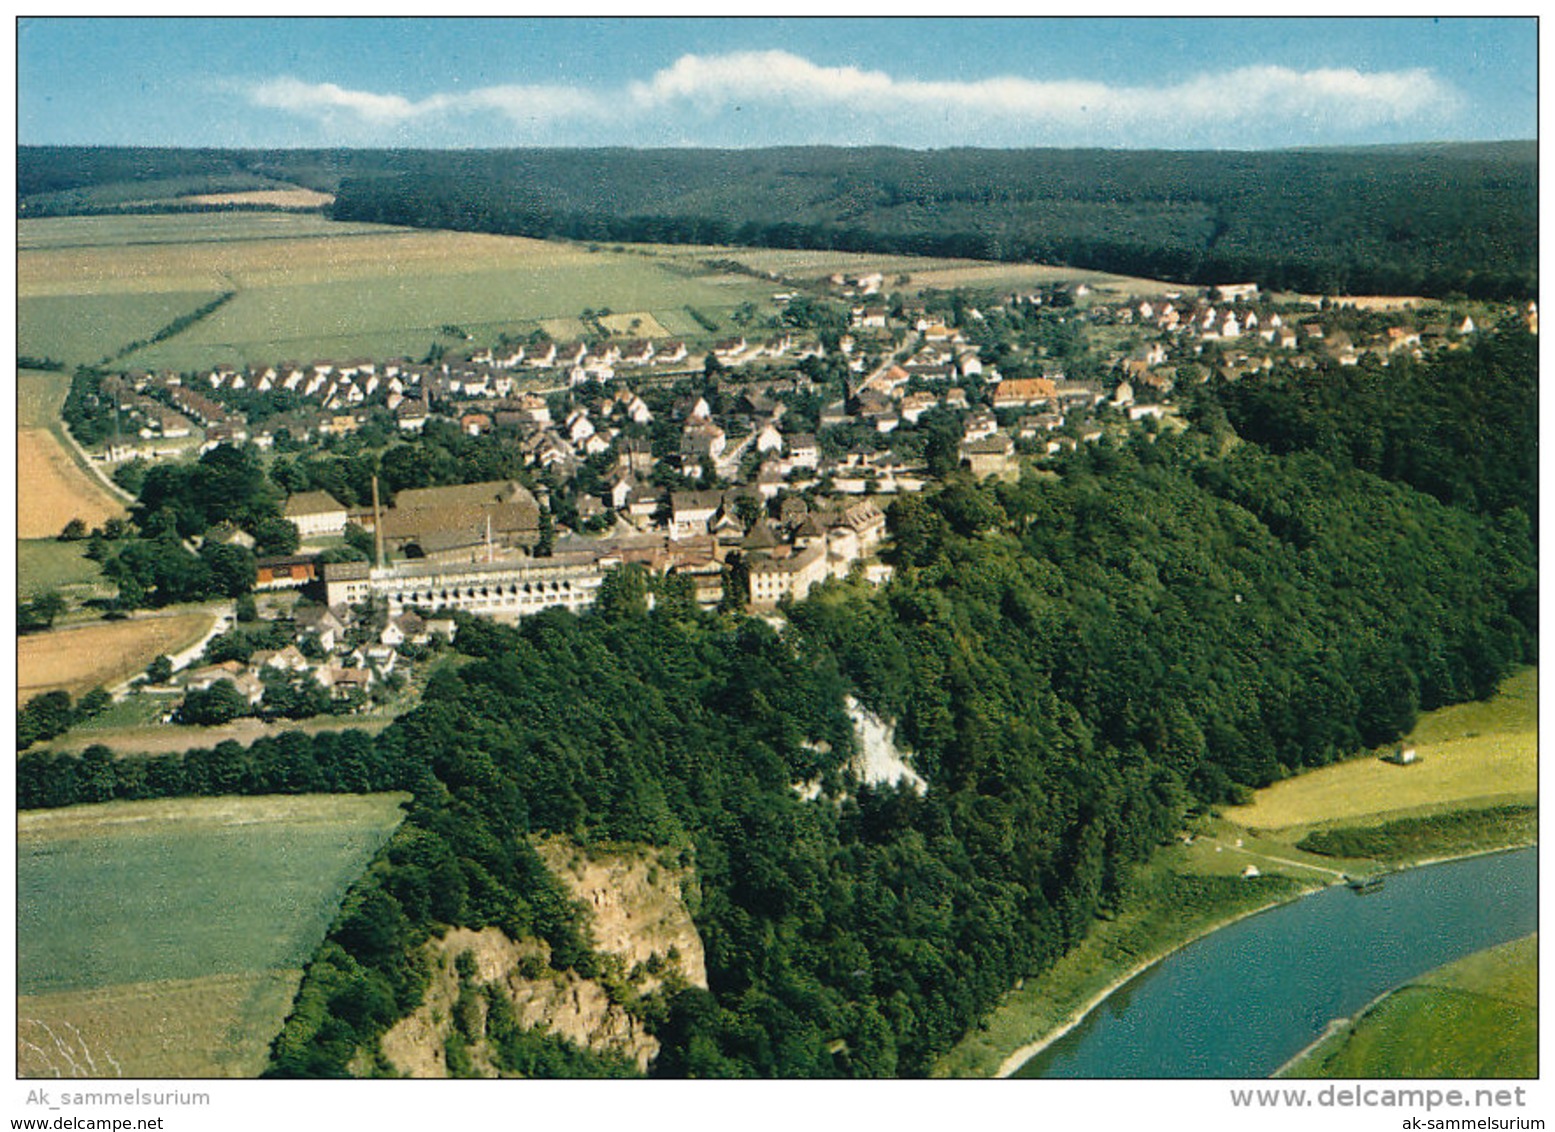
1425,219
1077,663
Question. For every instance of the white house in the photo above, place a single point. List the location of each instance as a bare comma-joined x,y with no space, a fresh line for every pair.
316,514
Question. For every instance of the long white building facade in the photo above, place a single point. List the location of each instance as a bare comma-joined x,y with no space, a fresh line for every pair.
504,590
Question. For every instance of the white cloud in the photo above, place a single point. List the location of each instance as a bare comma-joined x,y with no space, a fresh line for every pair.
327,98
877,107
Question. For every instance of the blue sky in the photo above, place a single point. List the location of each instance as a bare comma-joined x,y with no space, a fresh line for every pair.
1118,82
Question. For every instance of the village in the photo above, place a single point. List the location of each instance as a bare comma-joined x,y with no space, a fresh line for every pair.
755,467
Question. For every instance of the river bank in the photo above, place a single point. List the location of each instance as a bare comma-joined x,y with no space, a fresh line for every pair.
1202,883
1033,1048
1025,1053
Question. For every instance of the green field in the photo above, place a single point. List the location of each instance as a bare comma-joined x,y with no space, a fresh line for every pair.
1475,754
84,329
39,396
184,228
305,288
143,924
1478,1017
48,564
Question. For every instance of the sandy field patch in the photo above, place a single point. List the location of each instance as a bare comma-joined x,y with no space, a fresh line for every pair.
280,198
79,659
189,814
51,490
563,329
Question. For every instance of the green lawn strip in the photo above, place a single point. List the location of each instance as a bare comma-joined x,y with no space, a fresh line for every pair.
1447,834
1477,1017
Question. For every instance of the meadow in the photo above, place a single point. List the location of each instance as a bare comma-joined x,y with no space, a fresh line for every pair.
1478,1017
167,938
78,659
1469,755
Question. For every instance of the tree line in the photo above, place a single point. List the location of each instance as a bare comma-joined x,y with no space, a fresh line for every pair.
1424,219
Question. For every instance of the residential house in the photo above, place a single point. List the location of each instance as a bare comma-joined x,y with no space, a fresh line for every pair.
791,576
990,456
316,514
692,512
1016,393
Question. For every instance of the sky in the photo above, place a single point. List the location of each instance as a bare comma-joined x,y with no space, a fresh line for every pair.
1195,83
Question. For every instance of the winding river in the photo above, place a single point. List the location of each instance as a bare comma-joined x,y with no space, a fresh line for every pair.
1245,999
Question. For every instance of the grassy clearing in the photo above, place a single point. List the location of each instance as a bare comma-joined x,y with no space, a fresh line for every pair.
999,275
1411,840
170,934
647,326
278,198
1469,755
923,273
77,660
680,324
1478,1017
47,564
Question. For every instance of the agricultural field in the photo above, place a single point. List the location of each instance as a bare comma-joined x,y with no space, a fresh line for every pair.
133,728
308,288
1478,1017
84,329
166,938
76,660
922,273
51,488
1470,755
272,198
39,396
189,228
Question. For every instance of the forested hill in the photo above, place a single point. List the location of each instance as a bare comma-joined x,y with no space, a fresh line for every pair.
1076,662
1425,219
